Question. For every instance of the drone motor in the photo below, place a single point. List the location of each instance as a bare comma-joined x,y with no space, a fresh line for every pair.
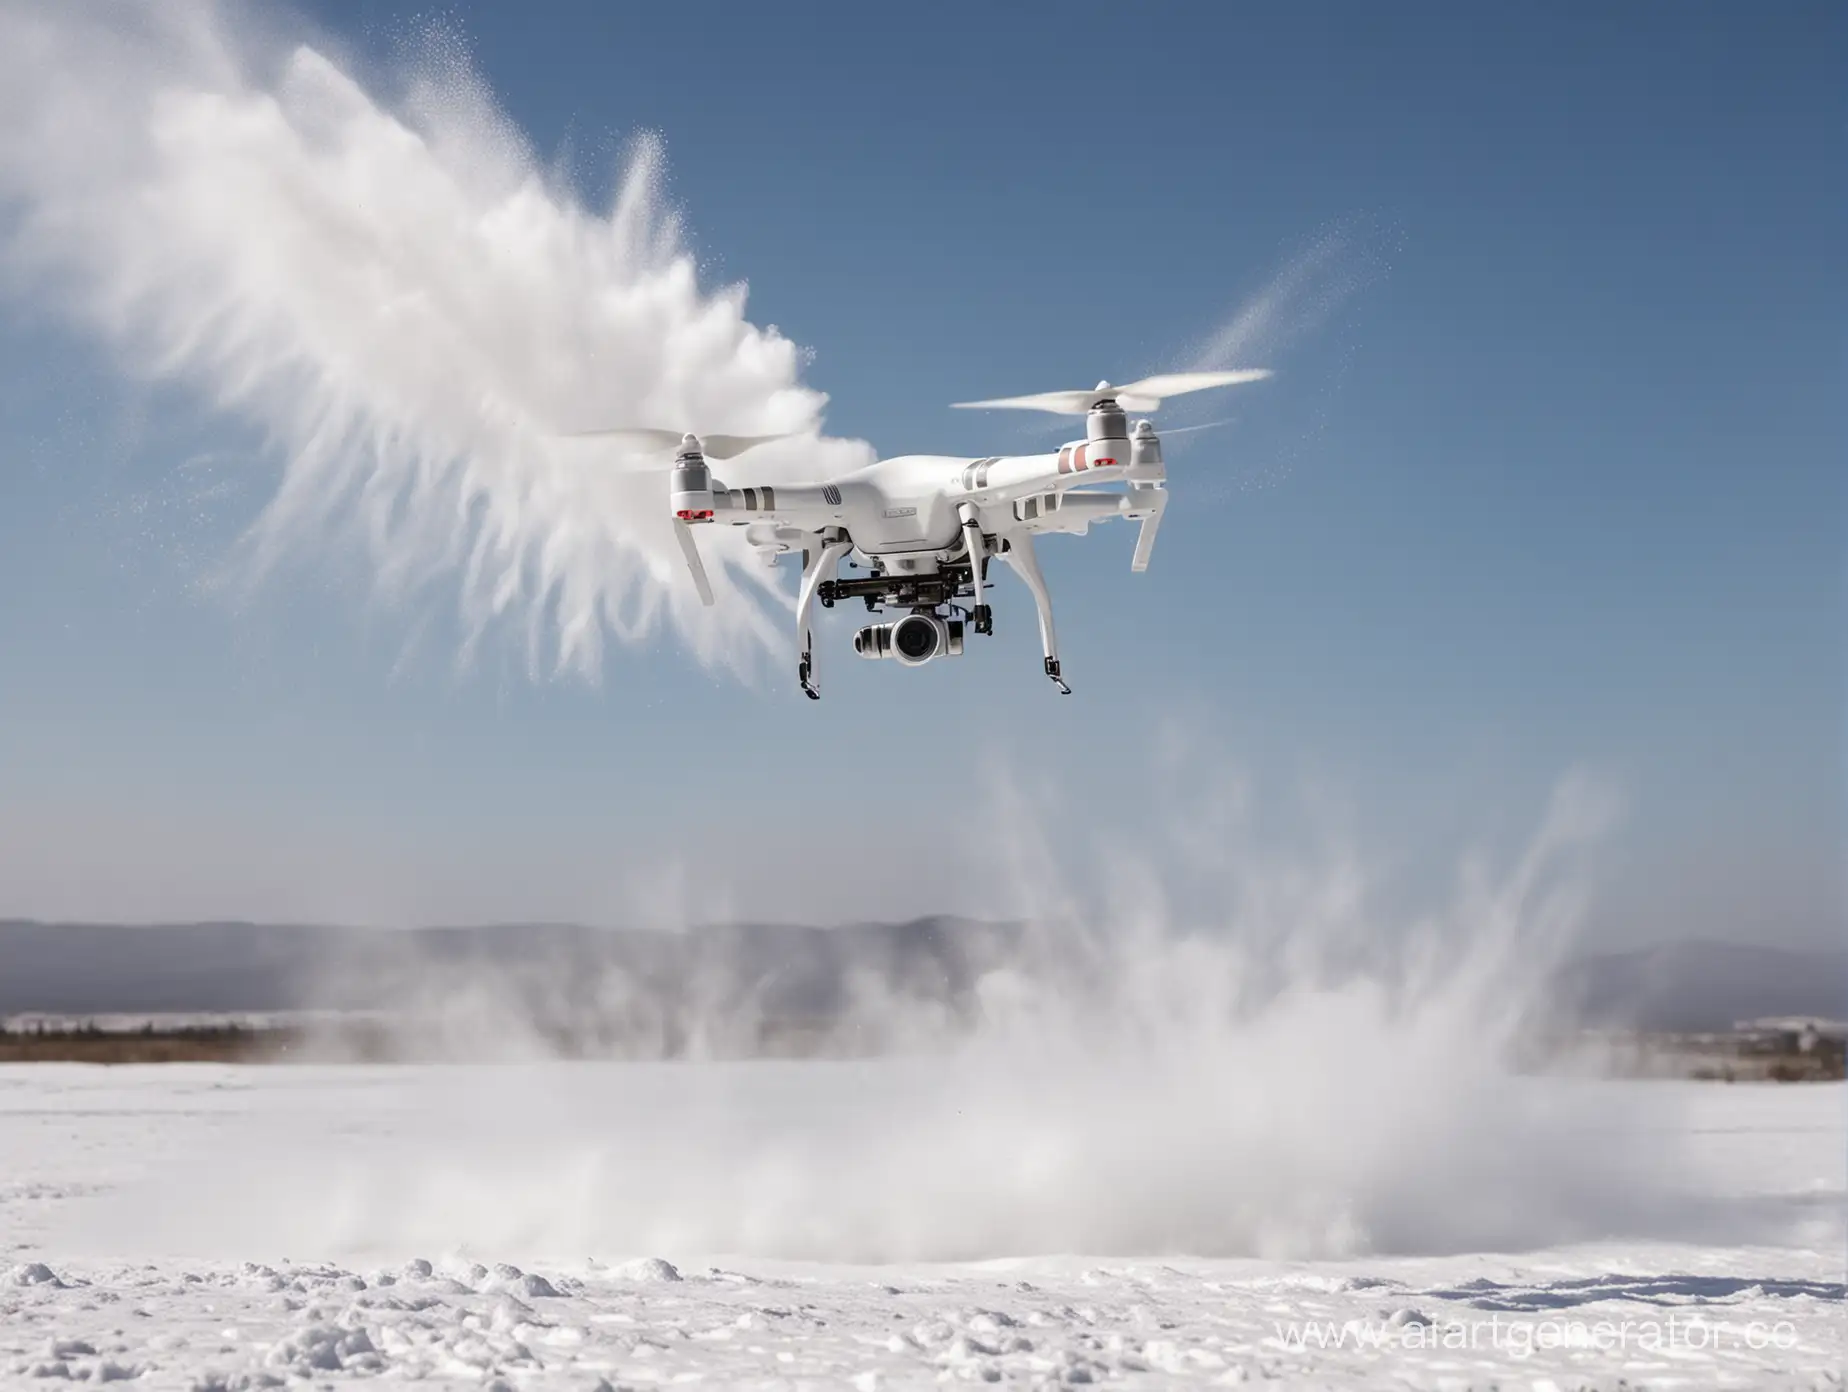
691,487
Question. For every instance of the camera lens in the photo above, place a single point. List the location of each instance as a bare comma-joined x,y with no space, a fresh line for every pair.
915,638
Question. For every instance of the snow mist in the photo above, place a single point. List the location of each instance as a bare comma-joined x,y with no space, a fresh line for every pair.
406,306
1221,1046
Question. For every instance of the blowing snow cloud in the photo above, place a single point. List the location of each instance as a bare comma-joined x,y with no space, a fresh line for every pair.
407,306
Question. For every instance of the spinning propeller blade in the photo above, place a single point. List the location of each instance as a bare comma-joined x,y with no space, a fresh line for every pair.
1145,395
712,446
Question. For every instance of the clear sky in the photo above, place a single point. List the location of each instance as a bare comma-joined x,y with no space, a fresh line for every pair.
1549,478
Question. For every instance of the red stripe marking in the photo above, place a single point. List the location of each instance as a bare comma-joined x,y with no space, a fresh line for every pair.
1078,458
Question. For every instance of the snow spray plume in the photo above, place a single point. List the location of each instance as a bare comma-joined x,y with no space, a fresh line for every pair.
1307,291
405,305
1301,322
1295,1073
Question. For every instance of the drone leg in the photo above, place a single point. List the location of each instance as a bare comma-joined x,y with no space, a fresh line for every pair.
982,619
821,566
1020,555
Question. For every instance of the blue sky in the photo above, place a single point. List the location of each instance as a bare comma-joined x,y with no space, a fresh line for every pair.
1550,476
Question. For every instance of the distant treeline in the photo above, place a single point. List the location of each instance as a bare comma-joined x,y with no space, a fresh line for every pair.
371,1039
89,1042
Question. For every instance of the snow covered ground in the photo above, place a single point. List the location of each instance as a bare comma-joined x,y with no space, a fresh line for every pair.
893,1224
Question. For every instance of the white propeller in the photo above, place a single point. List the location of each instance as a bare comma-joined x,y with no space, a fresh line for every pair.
1144,395
712,446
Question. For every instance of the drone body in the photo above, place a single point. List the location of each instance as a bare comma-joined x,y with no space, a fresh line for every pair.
925,527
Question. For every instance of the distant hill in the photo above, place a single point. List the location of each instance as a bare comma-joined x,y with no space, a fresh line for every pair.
647,991
660,982
1697,987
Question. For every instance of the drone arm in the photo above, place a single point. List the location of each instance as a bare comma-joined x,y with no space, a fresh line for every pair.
820,568
1074,510
1019,554
803,506
1030,479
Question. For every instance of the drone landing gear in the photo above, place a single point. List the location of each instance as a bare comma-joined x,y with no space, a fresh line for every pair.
822,564
1019,554
981,617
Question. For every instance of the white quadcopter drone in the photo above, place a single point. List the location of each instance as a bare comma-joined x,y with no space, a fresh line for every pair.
923,526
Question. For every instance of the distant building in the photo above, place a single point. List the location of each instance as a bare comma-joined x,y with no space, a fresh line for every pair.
1800,1034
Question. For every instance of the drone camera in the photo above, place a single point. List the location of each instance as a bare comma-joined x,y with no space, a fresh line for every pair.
912,640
